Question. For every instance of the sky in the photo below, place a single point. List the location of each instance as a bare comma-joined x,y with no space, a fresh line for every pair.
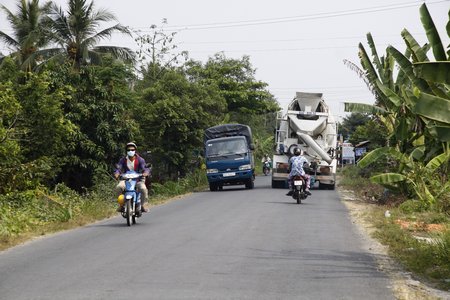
294,45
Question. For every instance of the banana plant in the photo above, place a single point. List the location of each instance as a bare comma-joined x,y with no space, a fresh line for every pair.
416,103
422,180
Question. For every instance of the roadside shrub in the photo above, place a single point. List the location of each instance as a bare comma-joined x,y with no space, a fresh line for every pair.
412,206
443,203
190,183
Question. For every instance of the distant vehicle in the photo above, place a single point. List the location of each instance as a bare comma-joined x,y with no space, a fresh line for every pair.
266,168
229,156
310,126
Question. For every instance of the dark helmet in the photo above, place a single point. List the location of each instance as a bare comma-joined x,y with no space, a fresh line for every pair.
297,151
131,144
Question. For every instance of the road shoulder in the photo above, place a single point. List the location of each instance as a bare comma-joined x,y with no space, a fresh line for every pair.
402,283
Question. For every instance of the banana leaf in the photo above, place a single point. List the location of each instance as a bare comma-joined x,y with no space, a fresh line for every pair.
377,154
390,95
438,72
441,132
402,130
402,79
406,66
423,193
448,32
363,108
438,161
418,153
367,64
417,51
389,67
432,107
388,178
432,34
376,59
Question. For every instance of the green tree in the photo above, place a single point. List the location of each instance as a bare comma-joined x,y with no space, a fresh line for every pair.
100,108
46,128
34,129
176,113
349,124
373,131
237,84
10,110
77,34
29,31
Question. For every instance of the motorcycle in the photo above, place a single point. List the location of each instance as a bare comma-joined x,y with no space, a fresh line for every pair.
131,199
299,185
266,168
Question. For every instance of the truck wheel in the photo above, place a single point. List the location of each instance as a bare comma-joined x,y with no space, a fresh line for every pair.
274,184
250,184
213,187
324,186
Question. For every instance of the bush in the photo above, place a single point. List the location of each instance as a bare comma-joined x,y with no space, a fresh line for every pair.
190,183
412,206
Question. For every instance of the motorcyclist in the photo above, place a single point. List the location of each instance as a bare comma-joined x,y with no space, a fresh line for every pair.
132,162
296,163
265,159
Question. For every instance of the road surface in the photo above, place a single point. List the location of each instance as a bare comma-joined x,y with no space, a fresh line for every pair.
230,244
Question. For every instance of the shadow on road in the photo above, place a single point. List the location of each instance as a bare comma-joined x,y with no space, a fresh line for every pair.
285,202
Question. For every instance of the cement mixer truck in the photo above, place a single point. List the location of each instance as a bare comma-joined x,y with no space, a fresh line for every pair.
308,125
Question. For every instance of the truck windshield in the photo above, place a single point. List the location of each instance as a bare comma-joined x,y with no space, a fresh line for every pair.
226,147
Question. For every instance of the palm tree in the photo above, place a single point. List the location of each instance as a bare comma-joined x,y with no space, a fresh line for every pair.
28,26
76,33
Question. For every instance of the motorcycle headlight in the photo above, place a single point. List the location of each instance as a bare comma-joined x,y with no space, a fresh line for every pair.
245,167
210,171
128,197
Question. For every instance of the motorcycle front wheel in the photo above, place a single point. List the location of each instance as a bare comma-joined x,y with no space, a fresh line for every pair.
128,213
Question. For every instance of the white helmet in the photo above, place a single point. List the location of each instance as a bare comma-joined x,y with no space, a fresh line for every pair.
131,144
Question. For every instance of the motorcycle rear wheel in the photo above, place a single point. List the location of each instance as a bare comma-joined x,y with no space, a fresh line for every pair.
297,197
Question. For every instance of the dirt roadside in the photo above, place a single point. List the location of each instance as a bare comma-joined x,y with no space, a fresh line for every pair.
402,283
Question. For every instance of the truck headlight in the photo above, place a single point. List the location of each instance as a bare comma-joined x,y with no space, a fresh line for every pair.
210,171
245,167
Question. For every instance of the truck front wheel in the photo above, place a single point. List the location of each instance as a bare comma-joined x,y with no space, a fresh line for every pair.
213,187
250,184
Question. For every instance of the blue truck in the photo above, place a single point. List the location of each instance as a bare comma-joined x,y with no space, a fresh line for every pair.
229,156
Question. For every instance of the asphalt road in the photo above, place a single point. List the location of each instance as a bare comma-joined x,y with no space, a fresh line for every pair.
231,244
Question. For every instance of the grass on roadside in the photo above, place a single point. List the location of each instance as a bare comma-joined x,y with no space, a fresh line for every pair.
29,214
417,237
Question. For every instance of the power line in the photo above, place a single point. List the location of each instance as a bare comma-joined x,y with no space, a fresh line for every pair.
295,40
298,18
288,49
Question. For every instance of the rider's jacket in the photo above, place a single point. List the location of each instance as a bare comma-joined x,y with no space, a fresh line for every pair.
296,165
138,165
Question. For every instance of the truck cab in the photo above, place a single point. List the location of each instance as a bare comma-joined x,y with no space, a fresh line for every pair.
229,156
